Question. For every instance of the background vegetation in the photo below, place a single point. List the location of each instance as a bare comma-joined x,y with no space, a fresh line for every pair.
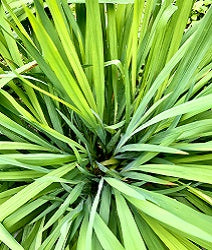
198,11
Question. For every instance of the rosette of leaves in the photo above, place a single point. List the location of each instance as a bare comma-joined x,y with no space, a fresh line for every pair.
96,153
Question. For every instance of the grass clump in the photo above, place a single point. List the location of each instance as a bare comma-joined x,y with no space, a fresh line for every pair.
106,125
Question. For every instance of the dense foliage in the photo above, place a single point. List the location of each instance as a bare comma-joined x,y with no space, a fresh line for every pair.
199,9
105,125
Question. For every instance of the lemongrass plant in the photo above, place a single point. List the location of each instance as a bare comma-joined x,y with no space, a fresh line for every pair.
105,125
